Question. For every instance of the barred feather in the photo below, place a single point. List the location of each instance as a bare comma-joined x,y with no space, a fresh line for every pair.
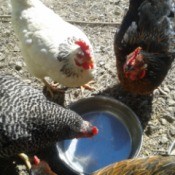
28,121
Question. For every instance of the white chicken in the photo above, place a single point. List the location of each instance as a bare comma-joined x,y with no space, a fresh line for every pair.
52,47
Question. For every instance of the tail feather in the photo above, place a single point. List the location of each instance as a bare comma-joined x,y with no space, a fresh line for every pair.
154,13
146,20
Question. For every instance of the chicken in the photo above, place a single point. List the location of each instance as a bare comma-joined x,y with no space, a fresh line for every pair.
41,168
142,46
29,122
52,47
155,165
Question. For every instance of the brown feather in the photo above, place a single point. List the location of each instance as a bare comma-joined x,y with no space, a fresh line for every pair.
155,165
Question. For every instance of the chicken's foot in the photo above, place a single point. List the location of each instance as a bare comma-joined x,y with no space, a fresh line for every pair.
87,86
52,87
25,158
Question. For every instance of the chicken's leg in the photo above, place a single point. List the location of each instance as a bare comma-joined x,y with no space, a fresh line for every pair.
52,87
87,86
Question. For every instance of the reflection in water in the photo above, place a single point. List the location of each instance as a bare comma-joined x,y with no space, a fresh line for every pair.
112,144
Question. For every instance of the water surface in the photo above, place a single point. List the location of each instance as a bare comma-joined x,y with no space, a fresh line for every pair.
112,144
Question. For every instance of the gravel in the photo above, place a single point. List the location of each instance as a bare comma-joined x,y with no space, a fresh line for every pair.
156,111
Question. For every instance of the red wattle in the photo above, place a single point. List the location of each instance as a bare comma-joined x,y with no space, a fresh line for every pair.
95,130
86,66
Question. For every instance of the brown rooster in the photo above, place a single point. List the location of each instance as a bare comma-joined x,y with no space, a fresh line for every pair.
141,45
155,165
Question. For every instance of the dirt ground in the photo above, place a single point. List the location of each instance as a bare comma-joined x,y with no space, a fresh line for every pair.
100,19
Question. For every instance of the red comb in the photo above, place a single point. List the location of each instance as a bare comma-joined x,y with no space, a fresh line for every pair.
36,160
95,130
82,44
136,51
84,47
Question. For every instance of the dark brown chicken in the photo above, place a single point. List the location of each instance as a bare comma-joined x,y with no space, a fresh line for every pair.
155,165
142,45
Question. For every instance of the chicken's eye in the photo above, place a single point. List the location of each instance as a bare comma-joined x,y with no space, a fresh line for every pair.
80,55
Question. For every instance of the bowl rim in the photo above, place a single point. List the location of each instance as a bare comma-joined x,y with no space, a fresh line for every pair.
113,100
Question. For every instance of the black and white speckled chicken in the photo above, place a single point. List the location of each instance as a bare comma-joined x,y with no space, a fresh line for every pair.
142,45
51,46
29,122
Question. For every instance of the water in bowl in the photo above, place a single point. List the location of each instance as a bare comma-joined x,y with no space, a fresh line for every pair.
113,143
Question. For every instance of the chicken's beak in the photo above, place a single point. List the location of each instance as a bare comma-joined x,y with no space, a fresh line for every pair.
88,64
128,68
91,63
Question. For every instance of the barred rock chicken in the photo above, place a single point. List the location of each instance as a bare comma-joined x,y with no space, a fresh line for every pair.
51,47
155,165
29,122
142,46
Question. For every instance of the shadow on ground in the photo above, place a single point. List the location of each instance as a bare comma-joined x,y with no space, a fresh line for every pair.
141,105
